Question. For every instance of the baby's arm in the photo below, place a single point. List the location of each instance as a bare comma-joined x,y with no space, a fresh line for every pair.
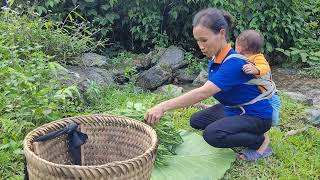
250,69
262,65
259,66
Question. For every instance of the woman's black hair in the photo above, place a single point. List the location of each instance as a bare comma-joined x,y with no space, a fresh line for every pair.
213,19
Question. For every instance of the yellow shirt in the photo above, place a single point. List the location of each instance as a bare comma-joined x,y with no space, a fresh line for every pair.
260,63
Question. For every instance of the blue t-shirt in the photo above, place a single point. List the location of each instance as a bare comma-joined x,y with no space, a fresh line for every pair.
230,78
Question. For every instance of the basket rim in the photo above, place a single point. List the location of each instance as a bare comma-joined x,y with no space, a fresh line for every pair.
151,151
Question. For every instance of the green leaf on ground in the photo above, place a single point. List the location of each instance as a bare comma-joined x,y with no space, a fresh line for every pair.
195,159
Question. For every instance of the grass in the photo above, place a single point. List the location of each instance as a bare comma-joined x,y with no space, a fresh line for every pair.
295,157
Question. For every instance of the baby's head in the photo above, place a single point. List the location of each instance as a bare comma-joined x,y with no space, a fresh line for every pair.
249,42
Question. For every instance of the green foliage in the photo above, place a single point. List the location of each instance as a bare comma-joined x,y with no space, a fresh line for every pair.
29,89
306,50
169,137
62,42
131,22
195,159
11,158
292,114
141,24
294,156
169,140
125,61
30,93
194,64
171,91
312,10
280,22
305,53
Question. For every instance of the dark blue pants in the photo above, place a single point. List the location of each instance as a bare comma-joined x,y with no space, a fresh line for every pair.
233,131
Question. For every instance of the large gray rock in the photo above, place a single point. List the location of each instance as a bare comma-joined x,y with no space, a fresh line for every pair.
142,64
184,76
155,55
170,90
83,76
174,57
315,95
201,79
154,77
300,97
119,76
90,60
313,115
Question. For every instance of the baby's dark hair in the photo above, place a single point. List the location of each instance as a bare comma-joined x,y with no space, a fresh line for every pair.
250,41
213,19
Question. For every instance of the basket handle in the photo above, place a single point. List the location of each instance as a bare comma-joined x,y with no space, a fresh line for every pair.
75,138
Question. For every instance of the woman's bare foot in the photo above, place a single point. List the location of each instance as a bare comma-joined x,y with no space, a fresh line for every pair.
262,148
264,145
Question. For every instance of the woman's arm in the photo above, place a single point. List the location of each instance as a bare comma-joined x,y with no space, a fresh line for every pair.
192,97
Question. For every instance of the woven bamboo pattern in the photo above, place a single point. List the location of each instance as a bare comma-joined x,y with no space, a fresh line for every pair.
117,148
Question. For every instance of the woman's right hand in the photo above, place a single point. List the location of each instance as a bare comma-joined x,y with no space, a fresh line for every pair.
153,115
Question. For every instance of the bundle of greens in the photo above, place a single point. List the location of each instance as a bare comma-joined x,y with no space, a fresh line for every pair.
169,137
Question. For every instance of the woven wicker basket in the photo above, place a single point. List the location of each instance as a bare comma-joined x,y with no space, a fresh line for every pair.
117,148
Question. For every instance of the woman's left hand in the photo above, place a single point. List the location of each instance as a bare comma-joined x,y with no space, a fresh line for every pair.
153,115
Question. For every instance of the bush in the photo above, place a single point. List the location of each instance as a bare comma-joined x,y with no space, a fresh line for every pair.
29,89
306,50
11,158
280,21
55,39
30,93
141,24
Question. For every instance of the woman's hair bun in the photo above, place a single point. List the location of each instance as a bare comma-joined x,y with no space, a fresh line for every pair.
228,18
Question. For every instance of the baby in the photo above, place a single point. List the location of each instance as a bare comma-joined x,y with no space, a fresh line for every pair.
249,43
